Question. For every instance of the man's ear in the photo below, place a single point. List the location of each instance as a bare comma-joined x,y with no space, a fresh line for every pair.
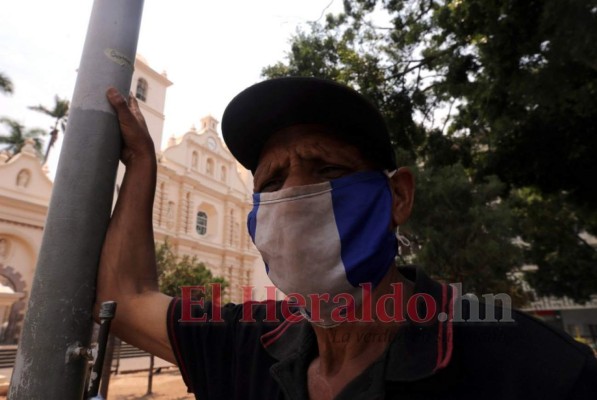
403,194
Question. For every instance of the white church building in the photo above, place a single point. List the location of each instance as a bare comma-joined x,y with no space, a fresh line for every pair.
202,199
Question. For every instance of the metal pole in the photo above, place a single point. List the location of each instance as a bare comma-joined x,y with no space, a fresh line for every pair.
118,345
106,315
150,376
51,362
107,371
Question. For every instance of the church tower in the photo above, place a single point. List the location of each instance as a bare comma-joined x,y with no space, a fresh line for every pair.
149,87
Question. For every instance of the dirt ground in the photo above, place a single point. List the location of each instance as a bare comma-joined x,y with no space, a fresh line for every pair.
167,385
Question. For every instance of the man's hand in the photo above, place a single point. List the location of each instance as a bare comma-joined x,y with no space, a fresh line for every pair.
127,269
137,143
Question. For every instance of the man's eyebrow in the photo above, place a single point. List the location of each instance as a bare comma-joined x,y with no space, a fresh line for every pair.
339,153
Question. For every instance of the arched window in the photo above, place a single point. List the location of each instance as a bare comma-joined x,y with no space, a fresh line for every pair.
141,92
23,178
223,174
210,166
170,211
194,160
6,284
201,225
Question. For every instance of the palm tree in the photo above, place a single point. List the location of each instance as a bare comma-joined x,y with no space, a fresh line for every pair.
60,115
18,136
5,84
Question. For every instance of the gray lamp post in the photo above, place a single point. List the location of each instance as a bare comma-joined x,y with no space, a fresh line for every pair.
51,360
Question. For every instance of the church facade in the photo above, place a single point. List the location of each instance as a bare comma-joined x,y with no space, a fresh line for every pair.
202,198
201,204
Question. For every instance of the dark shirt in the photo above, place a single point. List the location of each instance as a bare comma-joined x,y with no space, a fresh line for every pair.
477,351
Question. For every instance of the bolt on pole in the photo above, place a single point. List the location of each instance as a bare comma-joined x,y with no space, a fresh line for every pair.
50,362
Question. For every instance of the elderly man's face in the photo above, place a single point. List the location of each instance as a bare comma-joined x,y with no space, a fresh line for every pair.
303,155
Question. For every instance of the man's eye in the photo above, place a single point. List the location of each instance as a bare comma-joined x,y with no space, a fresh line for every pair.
271,185
334,171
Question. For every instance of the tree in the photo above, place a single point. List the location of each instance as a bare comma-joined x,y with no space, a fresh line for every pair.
18,136
462,231
498,93
556,233
6,85
334,53
60,114
176,271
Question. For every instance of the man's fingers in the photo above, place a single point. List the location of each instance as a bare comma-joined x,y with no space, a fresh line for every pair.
116,99
121,107
134,105
133,100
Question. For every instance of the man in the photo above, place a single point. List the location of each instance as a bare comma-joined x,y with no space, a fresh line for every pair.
328,199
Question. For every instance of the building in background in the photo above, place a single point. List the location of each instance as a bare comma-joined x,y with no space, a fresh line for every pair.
24,197
579,320
201,203
576,319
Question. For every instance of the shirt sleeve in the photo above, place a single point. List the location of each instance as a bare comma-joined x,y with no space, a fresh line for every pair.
585,387
202,349
209,341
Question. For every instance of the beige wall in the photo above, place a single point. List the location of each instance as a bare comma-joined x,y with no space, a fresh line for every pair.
24,196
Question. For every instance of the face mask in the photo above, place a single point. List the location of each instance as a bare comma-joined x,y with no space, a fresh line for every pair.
326,238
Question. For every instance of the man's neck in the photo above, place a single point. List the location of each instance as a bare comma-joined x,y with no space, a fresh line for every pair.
354,346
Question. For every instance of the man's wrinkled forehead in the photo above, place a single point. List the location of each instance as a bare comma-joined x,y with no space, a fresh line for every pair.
308,142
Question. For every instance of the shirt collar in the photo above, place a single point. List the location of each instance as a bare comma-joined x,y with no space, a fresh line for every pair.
420,350
417,351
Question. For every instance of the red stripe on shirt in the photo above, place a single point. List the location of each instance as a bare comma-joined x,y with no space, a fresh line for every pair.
279,331
440,329
176,347
449,339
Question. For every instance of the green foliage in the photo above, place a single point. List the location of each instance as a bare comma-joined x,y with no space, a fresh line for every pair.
462,231
177,271
18,135
489,99
6,85
529,80
59,112
334,53
556,233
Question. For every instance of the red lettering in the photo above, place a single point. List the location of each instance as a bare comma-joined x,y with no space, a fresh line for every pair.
345,312
367,306
315,300
298,301
381,306
430,308
216,302
271,294
187,304
248,304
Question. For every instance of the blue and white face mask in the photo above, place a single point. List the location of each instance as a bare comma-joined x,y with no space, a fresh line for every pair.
326,238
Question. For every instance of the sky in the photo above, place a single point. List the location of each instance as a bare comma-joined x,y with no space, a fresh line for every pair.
211,50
